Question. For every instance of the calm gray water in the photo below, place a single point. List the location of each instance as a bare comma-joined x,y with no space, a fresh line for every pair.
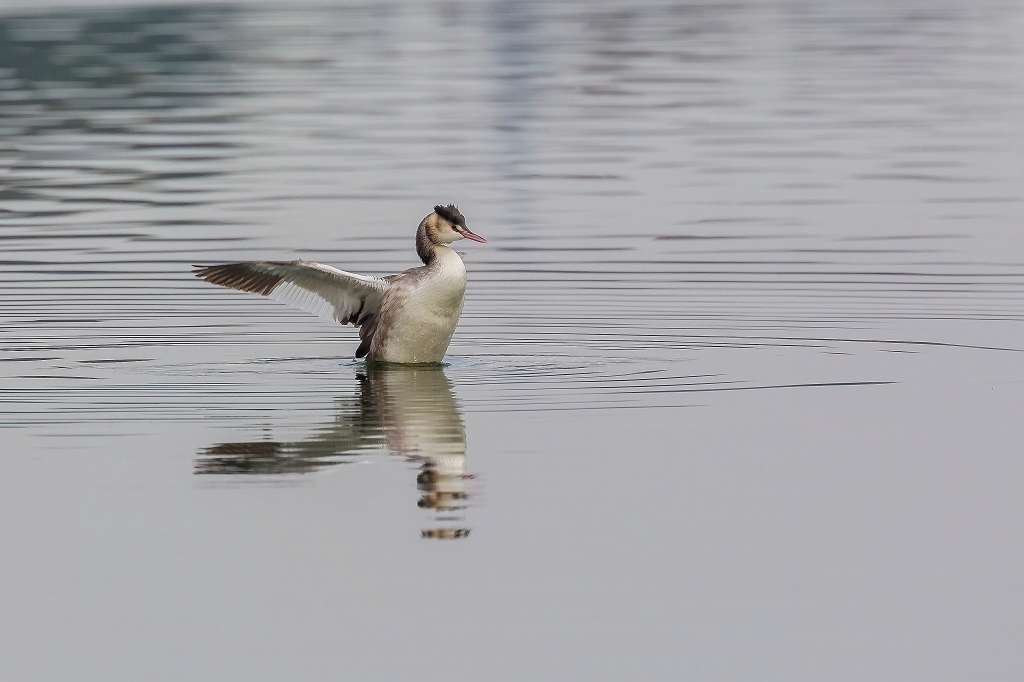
736,394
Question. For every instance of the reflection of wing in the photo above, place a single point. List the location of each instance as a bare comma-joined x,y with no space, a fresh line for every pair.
259,457
355,427
314,287
408,411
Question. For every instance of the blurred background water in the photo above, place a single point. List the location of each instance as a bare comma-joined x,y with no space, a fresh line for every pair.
735,394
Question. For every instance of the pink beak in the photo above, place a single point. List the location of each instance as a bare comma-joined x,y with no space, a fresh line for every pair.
469,234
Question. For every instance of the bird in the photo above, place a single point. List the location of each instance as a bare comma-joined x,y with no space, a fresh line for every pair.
405,318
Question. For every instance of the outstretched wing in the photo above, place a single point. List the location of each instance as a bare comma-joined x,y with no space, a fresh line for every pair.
314,287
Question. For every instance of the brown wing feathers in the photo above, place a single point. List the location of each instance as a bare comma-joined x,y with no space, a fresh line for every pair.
241,276
346,297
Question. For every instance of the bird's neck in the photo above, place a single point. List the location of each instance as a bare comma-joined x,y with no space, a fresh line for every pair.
426,248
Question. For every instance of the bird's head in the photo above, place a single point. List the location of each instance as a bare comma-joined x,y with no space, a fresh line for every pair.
447,224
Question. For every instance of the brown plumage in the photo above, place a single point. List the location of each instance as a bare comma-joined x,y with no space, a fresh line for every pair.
241,276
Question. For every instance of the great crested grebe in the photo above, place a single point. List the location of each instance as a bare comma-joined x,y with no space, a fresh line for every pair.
405,318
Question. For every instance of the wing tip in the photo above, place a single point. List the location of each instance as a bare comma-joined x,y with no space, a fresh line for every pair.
240,276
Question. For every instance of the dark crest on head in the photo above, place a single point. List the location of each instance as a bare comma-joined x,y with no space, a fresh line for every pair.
452,214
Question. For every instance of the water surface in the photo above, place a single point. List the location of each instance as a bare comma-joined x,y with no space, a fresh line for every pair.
735,394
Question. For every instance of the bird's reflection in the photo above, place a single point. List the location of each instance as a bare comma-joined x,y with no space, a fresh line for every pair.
410,412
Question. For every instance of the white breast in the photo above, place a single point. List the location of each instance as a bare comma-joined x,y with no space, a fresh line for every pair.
445,285
420,326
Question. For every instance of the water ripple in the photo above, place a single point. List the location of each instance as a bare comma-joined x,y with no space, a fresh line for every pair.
676,215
